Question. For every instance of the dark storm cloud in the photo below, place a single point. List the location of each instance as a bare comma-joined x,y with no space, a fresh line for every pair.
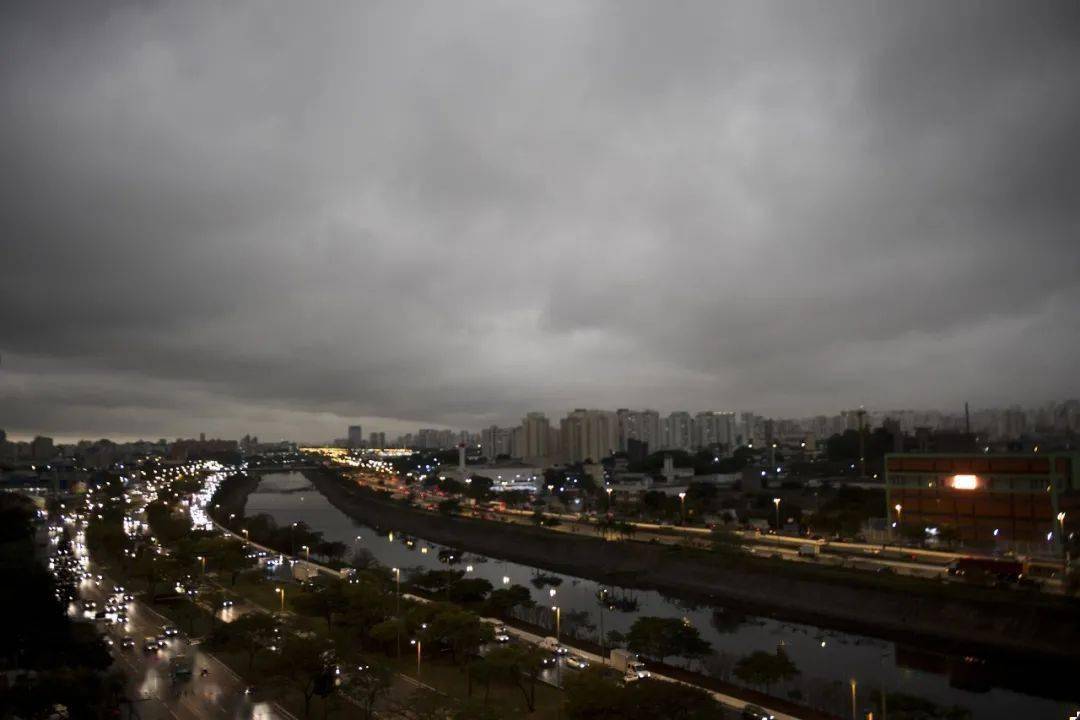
261,218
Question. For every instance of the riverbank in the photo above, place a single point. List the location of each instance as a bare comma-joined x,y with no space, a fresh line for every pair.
1048,629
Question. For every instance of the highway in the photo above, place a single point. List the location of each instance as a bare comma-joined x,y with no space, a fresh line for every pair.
152,692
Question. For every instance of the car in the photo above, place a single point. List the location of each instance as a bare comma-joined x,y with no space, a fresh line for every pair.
577,662
118,589
170,631
635,670
227,603
109,642
755,712
150,644
501,634
128,597
549,660
127,642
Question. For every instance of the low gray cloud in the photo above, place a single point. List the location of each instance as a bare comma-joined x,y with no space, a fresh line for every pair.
276,218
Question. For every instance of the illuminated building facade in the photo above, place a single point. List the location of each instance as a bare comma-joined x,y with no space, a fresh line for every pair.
1030,499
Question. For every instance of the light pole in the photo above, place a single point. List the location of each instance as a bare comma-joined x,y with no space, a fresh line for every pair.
558,616
609,491
682,506
1061,522
776,502
602,597
307,551
397,607
247,535
417,643
202,561
854,703
899,519
281,591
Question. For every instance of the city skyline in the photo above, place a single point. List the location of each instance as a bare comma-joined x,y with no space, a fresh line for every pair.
416,215
934,418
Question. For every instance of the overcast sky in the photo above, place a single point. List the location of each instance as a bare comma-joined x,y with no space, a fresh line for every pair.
279,218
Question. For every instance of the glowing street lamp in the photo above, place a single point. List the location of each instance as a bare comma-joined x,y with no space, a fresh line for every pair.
281,591
418,645
682,505
776,502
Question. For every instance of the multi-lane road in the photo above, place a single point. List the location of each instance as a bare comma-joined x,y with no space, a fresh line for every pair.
152,692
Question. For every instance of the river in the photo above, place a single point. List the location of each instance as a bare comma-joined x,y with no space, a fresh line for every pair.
828,659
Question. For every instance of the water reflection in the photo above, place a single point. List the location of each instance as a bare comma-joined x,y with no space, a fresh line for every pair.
827,659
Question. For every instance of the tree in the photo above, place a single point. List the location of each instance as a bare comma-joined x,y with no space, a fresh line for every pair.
323,602
763,668
520,666
331,550
501,602
593,695
460,631
302,664
369,683
224,555
471,590
251,633
662,637
479,487
388,632
655,698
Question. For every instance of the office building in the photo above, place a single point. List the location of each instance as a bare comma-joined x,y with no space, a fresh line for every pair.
355,436
986,499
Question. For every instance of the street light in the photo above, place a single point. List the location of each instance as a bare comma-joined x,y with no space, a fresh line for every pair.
417,643
558,616
247,534
682,505
203,561
307,550
281,591
854,703
776,502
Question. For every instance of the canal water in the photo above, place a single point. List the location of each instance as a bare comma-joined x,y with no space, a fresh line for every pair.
828,660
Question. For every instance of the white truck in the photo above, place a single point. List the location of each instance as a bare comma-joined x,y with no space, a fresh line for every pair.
552,645
628,663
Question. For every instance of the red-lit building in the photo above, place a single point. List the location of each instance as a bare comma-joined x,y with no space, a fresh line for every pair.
1021,499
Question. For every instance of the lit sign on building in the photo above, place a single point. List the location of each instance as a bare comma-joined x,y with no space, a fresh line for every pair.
964,482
